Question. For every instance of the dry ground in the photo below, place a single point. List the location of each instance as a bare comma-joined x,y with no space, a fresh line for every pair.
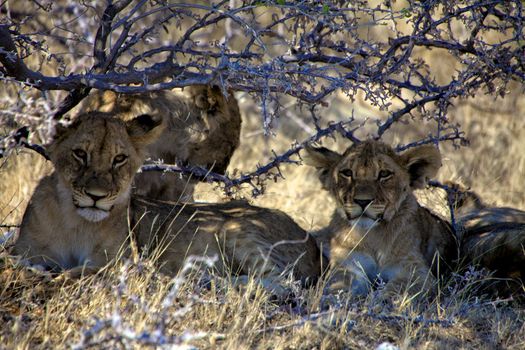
133,306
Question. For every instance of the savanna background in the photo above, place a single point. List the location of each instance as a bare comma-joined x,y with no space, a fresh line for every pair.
131,305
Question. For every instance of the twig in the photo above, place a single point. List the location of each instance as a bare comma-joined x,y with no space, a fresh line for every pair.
203,173
101,63
453,136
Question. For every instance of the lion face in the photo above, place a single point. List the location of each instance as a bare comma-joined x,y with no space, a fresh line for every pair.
96,159
370,181
202,124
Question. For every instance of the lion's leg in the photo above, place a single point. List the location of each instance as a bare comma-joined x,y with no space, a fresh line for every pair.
252,260
355,274
411,274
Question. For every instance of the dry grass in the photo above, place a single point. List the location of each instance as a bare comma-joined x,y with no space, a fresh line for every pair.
133,306
130,306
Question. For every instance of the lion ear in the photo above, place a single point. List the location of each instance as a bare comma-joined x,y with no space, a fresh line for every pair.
322,159
422,164
61,132
144,129
319,157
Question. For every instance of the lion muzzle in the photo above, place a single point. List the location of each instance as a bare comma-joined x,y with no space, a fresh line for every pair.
93,204
364,208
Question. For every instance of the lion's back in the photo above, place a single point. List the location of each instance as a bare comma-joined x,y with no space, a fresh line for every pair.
242,234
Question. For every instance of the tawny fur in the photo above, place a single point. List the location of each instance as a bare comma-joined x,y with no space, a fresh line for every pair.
462,199
247,239
491,237
380,230
89,171
202,128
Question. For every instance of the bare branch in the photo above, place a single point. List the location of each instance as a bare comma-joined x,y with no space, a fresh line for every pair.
20,140
102,64
13,66
306,50
249,178
456,135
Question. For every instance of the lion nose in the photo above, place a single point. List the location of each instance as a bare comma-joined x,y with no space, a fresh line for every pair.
96,194
363,203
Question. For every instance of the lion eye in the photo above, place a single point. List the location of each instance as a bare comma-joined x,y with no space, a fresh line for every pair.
384,174
119,159
346,173
81,155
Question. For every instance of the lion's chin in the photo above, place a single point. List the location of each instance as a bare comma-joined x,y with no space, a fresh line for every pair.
364,223
93,214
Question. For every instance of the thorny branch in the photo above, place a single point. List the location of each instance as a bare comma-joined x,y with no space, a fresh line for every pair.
308,50
102,62
253,178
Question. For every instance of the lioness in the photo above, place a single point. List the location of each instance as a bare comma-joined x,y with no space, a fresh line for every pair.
380,229
81,215
202,128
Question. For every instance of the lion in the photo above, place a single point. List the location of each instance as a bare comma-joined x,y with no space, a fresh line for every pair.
380,232
491,237
84,215
202,128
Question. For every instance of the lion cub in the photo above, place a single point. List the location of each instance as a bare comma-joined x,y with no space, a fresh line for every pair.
80,216
381,231
202,128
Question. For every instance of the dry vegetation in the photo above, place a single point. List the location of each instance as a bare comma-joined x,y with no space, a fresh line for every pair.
131,305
